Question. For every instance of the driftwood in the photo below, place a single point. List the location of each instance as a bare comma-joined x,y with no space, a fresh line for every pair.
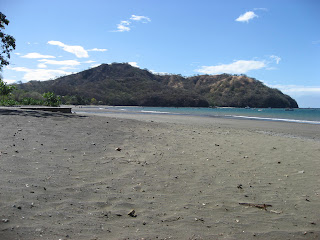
262,206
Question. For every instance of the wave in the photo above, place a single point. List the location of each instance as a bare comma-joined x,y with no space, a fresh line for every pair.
239,116
154,112
275,119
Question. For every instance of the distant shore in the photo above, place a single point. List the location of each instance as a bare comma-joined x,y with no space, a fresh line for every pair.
148,176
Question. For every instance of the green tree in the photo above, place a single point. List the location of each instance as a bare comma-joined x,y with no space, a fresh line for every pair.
7,44
5,89
51,99
93,101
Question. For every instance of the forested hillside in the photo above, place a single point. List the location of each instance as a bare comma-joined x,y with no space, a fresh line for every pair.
122,84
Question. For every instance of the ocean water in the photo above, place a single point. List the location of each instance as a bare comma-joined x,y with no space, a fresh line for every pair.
301,115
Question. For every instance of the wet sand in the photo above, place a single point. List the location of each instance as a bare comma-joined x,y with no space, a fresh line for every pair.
72,176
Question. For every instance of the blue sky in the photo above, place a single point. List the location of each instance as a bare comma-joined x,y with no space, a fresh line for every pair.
274,41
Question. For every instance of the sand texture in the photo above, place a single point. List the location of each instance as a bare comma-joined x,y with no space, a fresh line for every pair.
71,176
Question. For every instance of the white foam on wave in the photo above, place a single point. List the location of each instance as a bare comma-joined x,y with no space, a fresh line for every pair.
154,112
275,119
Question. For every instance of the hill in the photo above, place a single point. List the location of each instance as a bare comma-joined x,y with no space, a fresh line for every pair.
123,84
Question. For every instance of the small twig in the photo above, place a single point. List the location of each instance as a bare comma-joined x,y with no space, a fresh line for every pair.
277,212
262,206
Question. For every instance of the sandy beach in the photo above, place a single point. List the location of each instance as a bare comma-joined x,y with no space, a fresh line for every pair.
131,176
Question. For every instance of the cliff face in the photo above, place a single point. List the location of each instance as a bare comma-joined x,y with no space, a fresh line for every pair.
122,84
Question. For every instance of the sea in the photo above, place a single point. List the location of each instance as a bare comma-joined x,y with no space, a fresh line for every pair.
297,115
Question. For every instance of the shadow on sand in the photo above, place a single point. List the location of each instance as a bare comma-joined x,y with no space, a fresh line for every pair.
38,114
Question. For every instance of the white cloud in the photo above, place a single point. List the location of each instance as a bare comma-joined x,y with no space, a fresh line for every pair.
42,65
134,64
159,73
90,61
67,67
79,51
246,16
64,62
36,55
140,18
298,90
123,26
17,54
39,74
262,9
306,96
44,74
95,65
276,58
18,69
9,81
97,50
237,67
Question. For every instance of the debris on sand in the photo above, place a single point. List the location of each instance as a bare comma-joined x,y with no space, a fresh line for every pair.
262,206
132,213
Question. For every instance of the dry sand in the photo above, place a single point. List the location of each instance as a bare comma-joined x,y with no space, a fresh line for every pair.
71,176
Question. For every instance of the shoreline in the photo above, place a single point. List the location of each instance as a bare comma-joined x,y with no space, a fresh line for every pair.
289,129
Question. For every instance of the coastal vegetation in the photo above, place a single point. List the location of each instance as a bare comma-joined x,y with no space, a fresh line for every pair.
123,84
7,44
26,98
5,89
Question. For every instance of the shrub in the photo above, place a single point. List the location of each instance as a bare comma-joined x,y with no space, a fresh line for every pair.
51,99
